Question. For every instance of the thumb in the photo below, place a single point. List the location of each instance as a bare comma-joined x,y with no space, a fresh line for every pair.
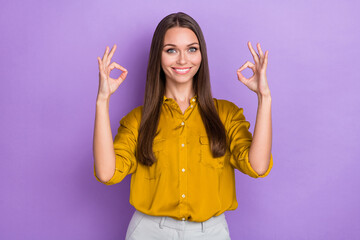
241,77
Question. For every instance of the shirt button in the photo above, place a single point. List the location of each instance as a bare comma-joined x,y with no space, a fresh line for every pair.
191,106
193,100
182,145
183,219
183,169
183,195
182,123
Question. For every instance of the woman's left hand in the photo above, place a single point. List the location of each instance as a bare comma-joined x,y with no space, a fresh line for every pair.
257,82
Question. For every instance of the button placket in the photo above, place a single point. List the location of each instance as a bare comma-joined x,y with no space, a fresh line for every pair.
183,181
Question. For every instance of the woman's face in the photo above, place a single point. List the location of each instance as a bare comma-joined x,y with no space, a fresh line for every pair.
181,56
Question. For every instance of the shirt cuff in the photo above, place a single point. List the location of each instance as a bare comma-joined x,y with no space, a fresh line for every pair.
110,182
252,172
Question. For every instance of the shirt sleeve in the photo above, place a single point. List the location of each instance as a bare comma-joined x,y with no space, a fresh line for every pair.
240,141
125,143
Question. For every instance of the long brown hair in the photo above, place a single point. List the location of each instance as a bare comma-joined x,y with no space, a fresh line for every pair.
155,89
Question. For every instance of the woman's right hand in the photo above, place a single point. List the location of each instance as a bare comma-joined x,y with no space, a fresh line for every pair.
108,85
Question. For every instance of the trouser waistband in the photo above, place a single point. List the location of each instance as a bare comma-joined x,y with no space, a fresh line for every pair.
183,224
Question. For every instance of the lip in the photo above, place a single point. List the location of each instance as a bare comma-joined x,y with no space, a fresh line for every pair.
181,72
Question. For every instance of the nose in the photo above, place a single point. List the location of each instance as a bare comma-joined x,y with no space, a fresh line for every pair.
182,58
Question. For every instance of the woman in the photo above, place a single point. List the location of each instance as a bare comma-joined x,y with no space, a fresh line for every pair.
182,145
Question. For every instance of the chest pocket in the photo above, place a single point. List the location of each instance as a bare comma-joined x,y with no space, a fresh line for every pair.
153,172
206,157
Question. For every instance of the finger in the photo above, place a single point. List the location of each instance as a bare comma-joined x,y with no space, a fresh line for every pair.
241,77
266,59
260,53
105,54
246,65
124,71
111,54
122,77
100,64
255,55
118,66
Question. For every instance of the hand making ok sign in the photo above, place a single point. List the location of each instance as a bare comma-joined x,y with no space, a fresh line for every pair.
108,85
257,82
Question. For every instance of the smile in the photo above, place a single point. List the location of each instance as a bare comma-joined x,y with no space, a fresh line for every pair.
181,70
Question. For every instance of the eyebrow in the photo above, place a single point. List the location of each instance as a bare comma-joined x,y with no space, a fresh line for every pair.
173,45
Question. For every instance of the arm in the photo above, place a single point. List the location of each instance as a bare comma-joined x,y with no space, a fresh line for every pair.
104,155
241,141
260,150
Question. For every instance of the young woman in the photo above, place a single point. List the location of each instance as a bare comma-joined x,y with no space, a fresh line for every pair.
182,146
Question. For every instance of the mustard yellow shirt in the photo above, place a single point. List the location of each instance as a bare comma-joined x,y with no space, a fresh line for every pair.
186,182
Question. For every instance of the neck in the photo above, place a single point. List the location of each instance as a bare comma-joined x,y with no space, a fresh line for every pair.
179,92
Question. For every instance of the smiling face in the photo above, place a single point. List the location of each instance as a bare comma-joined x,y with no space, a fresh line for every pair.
181,56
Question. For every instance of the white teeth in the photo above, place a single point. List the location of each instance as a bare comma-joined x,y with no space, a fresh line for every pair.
182,70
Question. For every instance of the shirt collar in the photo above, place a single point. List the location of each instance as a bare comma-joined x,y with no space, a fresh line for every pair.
192,100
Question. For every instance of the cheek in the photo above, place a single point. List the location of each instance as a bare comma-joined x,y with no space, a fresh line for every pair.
164,66
197,60
166,61
163,61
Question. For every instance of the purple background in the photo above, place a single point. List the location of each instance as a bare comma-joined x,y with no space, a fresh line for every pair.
49,82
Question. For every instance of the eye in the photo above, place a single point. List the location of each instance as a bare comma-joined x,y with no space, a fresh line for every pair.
170,50
193,49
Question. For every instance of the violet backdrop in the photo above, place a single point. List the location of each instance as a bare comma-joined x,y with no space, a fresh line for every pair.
49,77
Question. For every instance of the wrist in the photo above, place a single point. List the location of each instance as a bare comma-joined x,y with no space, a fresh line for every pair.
264,98
102,100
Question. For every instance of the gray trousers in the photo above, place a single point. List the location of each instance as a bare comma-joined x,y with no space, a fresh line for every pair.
146,227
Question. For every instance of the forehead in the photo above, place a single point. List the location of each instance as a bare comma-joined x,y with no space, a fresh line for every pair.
180,36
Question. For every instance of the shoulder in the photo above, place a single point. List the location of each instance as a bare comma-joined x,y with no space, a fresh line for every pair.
228,111
224,106
133,118
136,112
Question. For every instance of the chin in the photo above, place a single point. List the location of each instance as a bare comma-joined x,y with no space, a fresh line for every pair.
177,80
